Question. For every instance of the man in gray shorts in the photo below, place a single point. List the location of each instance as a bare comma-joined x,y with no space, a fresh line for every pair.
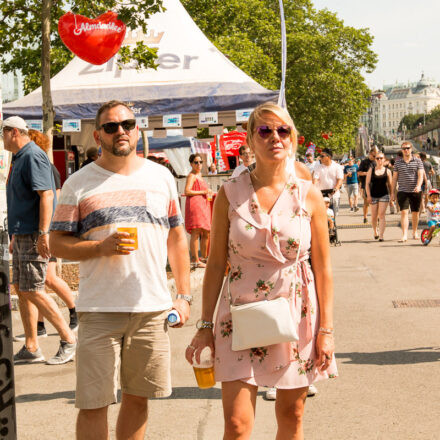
123,297
30,198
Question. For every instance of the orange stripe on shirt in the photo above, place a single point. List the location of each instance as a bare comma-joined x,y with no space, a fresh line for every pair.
113,200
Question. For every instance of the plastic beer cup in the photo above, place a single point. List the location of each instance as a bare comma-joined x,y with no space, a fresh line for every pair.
204,371
132,230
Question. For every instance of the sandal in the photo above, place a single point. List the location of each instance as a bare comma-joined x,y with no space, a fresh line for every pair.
199,265
402,240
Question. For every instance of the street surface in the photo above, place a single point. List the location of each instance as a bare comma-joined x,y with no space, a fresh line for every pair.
388,359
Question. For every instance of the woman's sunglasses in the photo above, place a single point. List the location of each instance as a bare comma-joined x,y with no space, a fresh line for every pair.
197,162
113,127
265,131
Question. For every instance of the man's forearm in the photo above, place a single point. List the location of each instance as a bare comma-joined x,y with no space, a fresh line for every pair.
46,210
178,256
73,248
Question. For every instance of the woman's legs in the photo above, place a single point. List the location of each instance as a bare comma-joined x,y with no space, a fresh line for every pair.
194,245
204,243
239,401
382,220
289,409
374,210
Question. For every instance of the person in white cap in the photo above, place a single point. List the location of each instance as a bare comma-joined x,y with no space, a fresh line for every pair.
30,197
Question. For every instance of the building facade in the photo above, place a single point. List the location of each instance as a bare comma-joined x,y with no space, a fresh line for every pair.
389,106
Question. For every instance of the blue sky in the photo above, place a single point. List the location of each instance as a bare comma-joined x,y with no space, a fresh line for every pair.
406,36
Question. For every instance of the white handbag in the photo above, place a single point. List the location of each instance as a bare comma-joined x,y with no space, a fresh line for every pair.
263,323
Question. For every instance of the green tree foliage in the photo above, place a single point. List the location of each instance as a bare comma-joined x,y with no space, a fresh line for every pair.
20,33
326,91
413,121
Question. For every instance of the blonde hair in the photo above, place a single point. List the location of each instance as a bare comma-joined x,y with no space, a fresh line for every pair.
279,112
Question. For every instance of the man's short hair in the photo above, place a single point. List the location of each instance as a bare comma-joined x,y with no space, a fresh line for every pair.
107,106
241,149
328,152
423,156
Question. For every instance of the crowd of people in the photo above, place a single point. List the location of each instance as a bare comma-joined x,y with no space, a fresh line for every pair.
268,232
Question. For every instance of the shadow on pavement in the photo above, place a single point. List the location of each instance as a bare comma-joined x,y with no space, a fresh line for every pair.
197,393
23,398
397,357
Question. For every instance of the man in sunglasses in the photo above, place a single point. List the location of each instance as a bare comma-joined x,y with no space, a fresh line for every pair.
364,166
328,176
408,176
123,298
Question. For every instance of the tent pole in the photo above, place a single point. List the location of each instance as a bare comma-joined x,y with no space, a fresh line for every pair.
145,142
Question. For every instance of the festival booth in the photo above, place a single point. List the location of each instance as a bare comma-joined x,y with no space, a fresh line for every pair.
195,85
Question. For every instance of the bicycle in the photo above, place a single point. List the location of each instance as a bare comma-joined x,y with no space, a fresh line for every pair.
425,233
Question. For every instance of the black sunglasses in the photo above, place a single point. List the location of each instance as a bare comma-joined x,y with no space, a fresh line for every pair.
198,162
406,148
265,131
113,127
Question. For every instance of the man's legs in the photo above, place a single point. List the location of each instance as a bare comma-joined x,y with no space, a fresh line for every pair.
92,424
365,207
49,309
28,313
415,223
404,223
415,202
350,196
132,419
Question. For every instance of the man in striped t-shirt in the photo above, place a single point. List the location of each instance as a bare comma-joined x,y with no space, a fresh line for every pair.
408,174
123,298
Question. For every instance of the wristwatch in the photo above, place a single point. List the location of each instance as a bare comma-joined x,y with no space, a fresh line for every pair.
187,298
204,324
41,232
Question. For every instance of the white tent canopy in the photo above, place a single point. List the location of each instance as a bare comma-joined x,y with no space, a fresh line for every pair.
193,76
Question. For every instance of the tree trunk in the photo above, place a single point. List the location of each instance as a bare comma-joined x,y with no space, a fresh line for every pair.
48,112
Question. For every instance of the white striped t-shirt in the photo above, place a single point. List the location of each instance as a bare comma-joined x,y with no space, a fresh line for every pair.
407,173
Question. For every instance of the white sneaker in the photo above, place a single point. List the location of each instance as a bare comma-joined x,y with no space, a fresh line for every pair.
271,394
312,390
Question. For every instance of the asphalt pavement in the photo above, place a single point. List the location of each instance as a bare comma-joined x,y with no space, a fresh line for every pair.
388,356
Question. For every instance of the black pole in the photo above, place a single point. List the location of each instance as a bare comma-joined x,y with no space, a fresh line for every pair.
8,421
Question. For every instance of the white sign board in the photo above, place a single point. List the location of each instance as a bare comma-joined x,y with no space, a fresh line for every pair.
142,122
172,121
208,118
243,115
35,124
71,125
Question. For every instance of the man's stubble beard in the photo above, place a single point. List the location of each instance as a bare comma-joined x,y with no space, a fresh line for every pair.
117,151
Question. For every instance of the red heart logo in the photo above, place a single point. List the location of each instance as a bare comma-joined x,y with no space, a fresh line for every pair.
93,40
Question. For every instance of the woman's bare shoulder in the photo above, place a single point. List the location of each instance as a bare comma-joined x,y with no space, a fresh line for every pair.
302,171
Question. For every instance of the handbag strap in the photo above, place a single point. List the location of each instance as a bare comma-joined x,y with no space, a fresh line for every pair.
228,280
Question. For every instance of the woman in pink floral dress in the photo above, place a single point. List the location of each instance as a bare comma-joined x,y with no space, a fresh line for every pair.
262,219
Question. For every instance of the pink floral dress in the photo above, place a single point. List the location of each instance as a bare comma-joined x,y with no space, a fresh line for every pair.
262,252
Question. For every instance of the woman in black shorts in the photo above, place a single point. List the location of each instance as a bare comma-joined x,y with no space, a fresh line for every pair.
378,186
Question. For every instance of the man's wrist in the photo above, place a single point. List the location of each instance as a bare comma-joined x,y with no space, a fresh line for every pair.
42,232
187,298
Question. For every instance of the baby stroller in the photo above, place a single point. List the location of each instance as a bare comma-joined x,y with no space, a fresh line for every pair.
332,232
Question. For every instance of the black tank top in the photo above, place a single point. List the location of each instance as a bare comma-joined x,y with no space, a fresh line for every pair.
379,184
